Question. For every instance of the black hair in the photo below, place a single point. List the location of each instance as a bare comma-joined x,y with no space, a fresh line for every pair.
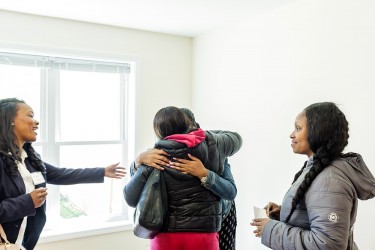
9,149
328,134
171,120
191,117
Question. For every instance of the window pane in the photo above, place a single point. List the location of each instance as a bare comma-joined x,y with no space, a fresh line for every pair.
89,110
90,106
100,200
38,149
22,83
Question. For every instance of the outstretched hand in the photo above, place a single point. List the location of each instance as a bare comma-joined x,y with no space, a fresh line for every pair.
193,167
115,171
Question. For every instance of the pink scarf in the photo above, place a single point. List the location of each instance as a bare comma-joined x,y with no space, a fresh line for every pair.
191,140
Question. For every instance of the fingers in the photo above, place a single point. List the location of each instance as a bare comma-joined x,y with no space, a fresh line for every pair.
257,233
115,171
268,206
120,172
268,209
156,166
160,155
181,169
184,169
162,162
42,193
38,196
177,164
258,230
193,157
155,158
182,163
159,159
185,161
179,160
161,152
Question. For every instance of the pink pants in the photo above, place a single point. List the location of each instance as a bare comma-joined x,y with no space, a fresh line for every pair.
185,241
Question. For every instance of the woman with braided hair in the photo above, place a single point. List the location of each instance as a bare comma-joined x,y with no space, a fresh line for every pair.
320,208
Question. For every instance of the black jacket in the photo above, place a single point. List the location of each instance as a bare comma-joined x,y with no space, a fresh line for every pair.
15,204
192,207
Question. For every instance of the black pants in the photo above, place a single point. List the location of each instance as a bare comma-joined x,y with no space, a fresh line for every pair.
227,234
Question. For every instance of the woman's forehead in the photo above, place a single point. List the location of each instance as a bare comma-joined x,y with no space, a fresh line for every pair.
24,107
301,116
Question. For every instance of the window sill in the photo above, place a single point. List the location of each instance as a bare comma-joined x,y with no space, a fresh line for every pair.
66,233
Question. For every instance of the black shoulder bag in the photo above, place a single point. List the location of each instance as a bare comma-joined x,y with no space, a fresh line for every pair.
151,212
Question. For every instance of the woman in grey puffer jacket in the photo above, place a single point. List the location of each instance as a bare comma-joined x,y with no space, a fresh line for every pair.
320,208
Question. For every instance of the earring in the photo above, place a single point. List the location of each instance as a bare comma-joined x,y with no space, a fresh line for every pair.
12,124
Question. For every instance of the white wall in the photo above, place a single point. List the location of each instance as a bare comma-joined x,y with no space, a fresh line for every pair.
164,79
120,240
253,77
256,76
164,60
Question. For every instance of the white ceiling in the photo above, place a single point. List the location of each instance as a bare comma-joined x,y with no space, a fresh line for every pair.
180,17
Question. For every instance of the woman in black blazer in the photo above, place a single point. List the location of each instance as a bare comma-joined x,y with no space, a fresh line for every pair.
23,175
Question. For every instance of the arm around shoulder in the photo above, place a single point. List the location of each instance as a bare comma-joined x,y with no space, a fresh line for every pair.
229,142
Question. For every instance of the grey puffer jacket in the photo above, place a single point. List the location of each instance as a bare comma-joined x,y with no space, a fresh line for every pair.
192,207
324,219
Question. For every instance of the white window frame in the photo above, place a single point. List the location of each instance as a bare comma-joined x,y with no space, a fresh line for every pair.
51,146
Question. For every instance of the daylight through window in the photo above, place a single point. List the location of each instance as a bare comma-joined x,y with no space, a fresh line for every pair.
81,106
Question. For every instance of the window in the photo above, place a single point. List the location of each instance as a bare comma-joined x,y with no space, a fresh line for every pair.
83,107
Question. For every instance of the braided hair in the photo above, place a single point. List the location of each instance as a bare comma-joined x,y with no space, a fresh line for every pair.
9,150
327,137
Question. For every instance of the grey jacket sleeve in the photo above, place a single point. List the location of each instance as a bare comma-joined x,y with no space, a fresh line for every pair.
228,142
329,204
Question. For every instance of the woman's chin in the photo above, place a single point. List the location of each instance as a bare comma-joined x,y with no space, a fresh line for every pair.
32,139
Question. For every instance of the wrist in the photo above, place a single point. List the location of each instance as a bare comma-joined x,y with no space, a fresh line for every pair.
141,158
204,176
136,163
